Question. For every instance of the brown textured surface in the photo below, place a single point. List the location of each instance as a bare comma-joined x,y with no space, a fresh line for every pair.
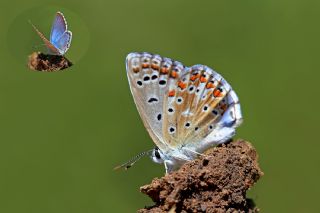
48,63
216,182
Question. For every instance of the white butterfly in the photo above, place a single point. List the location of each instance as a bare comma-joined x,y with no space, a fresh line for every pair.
186,110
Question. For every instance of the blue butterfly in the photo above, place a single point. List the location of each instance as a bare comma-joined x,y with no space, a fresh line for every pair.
60,37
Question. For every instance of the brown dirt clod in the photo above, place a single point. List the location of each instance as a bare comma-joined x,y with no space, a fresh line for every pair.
48,63
214,182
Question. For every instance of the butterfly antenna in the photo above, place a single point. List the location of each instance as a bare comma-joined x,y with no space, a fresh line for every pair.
34,27
133,160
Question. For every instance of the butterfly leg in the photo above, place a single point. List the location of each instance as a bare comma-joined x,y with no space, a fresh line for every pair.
168,164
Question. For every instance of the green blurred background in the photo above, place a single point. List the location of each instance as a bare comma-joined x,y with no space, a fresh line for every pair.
62,133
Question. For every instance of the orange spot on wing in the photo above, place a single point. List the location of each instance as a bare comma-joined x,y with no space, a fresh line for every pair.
154,66
194,77
216,93
173,74
182,85
209,85
145,65
136,69
172,93
203,79
164,70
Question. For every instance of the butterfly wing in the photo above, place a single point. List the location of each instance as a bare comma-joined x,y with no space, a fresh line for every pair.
149,79
198,105
60,37
182,106
59,26
52,49
64,42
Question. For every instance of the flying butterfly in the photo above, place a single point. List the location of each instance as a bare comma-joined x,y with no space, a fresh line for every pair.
185,110
60,36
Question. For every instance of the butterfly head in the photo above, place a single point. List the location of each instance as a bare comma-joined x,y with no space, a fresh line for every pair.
157,156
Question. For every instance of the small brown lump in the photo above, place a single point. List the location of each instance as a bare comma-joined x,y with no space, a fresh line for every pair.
47,63
215,182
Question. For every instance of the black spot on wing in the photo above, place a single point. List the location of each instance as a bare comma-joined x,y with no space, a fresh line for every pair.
146,78
151,100
162,82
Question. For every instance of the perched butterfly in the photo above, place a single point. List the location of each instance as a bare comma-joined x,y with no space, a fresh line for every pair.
186,110
60,36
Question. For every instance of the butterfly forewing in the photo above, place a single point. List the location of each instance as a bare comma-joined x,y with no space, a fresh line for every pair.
52,49
148,83
59,26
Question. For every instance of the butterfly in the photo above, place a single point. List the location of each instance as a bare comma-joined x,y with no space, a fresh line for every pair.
185,110
60,36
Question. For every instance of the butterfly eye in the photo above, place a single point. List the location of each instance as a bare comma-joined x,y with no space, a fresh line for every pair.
157,153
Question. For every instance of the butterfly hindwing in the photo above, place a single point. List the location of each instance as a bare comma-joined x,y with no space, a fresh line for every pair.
64,42
202,97
52,49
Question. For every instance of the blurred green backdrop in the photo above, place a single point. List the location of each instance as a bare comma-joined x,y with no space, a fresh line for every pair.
62,133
